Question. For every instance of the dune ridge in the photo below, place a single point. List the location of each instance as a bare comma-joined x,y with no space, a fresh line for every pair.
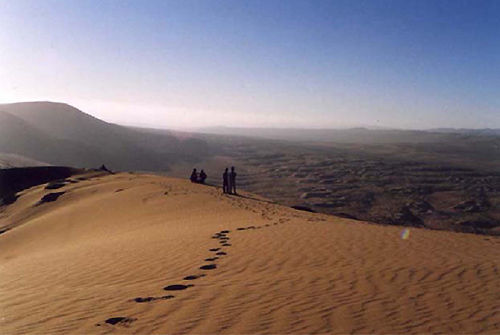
124,254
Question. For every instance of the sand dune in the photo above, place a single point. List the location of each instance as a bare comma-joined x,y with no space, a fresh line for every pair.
130,253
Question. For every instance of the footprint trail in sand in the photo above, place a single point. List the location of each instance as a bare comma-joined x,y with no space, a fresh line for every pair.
223,238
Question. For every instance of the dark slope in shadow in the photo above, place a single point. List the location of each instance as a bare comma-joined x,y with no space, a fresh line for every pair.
17,179
50,197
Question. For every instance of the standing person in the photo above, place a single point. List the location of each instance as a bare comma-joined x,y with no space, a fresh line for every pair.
203,176
225,181
232,181
194,176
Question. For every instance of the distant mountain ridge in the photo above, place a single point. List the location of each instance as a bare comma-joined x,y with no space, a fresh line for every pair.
481,131
351,135
60,134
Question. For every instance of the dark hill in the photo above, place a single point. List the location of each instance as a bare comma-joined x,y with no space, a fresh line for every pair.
60,134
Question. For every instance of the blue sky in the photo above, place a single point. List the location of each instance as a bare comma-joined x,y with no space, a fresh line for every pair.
174,64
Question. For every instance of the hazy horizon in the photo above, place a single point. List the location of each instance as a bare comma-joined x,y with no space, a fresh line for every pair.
294,64
220,126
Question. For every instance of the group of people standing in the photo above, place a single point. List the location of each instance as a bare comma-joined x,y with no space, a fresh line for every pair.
228,179
198,177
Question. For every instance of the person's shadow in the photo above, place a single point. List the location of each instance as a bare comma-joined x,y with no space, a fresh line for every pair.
254,199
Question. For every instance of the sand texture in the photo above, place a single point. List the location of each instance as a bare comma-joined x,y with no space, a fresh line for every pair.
132,253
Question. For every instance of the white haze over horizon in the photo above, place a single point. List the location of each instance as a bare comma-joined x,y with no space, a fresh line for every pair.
183,119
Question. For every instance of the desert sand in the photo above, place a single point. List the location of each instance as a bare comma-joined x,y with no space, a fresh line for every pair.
124,254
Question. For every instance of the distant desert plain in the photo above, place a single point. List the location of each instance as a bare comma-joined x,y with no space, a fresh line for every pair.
350,231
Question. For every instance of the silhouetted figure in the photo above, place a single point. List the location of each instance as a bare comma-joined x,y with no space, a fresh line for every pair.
104,168
232,181
225,181
203,177
194,176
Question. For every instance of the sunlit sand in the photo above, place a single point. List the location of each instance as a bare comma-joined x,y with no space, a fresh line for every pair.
132,253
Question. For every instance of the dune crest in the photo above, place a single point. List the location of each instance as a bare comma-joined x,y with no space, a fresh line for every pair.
134,253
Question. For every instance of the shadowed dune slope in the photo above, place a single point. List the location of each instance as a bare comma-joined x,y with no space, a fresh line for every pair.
13,180
16,179
131,253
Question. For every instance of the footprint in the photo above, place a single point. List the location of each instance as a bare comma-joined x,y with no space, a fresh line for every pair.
208,267
193,277
176,287
149,299
225,231
119,320
214,249
226,245
221,253
211,259
241,229
50,197
55,185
